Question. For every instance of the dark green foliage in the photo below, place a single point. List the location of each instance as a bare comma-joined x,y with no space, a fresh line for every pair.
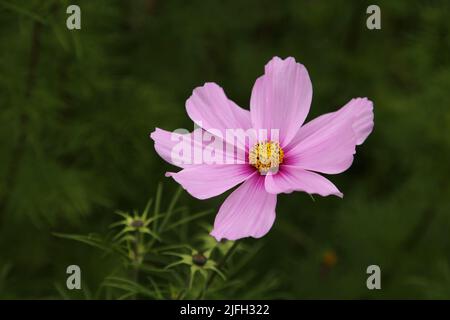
143,251
76,109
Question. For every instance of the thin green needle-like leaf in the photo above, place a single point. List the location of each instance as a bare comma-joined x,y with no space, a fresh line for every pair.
90,240
126,296
122,233
127,285
217,271
93,241
193,271
157,207
147,208
176,254
154,235
174,264
122,213
169,213
154,218
128,237
158,293
117,224
170,247
151,269
188,219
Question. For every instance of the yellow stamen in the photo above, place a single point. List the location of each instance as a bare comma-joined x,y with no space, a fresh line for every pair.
266,156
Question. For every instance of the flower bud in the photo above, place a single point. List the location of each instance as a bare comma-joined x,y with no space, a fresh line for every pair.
199,259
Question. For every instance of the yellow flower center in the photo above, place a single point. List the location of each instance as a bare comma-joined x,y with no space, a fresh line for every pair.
266,156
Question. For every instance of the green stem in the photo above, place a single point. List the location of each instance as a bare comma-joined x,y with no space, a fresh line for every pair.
219,266
137,259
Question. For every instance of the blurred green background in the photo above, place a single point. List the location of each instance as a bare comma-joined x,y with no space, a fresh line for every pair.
76,109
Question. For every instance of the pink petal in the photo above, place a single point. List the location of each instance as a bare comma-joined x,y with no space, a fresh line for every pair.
206,181
165,141
198,147
210,108
363,121
292,178
327,146
247,212
281,98
360,109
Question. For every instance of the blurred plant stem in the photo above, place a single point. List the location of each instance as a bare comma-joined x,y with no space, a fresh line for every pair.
137,258
221,263
19,148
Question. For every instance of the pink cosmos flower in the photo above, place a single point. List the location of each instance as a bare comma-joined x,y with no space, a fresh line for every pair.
280,100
